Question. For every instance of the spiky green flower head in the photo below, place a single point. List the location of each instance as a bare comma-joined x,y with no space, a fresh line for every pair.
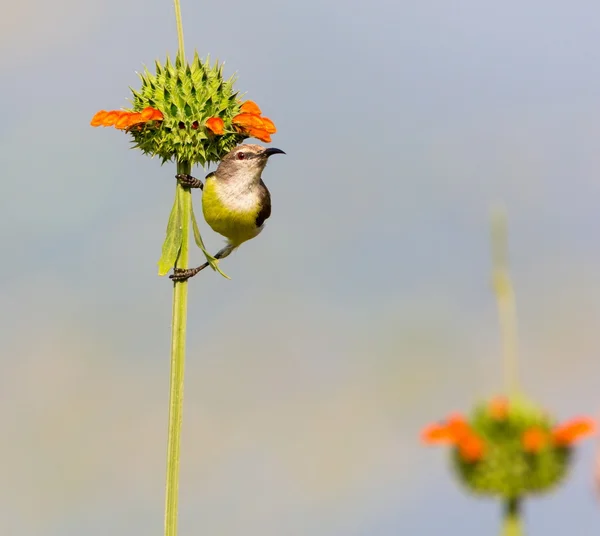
189,113
520,455
187,95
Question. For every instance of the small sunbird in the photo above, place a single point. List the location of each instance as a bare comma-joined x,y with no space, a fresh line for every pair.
235,200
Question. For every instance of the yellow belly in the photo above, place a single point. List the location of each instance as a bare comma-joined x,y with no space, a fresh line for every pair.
233,216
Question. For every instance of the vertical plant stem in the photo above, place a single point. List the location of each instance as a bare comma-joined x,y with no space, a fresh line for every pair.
179,30
505,297
178,334
512,524
180,293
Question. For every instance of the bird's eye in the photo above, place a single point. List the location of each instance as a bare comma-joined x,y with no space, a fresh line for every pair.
241,156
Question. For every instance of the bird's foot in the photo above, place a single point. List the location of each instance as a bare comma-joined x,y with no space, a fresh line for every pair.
183,274
188,181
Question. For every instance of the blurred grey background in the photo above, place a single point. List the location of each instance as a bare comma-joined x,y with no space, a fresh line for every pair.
363,312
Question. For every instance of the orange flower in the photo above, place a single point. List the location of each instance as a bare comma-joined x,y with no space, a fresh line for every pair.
123,119
250,107
455,430
498,408
216,125
471,447
249,121
573,430
534,439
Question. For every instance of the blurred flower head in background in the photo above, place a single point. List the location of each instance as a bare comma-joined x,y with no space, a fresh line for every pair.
509,447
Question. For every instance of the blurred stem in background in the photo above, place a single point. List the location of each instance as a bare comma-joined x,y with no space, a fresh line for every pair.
512,518
178,334
506,301
505,296
597,470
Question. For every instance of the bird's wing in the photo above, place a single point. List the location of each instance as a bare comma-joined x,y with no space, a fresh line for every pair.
265,205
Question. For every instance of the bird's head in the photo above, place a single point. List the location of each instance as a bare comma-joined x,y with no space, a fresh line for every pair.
248,160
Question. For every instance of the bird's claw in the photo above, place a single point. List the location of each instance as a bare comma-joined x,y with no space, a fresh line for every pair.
183,274
179,275
188,181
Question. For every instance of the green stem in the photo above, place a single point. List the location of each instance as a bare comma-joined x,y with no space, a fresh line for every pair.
178,330
506,302
179,30
180,288
512,524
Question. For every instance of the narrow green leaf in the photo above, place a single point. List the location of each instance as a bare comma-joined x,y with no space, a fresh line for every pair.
214,263
173,240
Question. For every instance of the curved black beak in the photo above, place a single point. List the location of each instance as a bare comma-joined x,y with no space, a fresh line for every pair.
272,150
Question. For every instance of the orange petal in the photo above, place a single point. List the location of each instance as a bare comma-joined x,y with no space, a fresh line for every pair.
125,120
157,115
268,125
498,408
150,114
140,119
247,120
250,107
98,118
146,113
534,439
216,125
573,430
112,117
260,134
471,448
135,121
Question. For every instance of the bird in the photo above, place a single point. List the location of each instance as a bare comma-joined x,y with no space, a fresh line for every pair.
235,200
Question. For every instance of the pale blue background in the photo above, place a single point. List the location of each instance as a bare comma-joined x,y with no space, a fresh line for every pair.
363,311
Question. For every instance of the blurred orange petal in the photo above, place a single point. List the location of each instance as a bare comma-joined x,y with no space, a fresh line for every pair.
471,448
98,118
534,439
573,430
268,125
436,434
250,107
452,430
498,408
458,425
216,125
